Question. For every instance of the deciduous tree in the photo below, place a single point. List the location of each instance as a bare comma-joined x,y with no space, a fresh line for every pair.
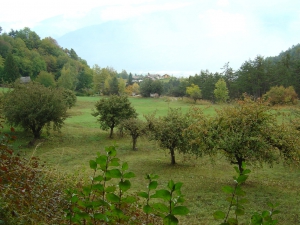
248,132
112,111
33,106
221,91
135,128
194,92
46,79
168,131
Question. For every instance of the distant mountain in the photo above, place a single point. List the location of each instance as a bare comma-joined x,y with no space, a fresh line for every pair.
149,43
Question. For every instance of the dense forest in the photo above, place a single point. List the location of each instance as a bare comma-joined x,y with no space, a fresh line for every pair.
24,54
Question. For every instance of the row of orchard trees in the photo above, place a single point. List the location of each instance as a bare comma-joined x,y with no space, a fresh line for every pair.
246,132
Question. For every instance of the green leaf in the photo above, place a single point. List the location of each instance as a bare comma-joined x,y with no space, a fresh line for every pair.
160,207
93,164
124,166
74,199
178,186
219,215
171,185
232,221
180,210
239,212
100,216
153,185
114,173
98,178
86,190
170,220
239,191
143,194
114,162
124,185
275,212
256,219
265,214
110,189
246,171
101,160
242,179
129,199
147,209
118,212
112,198
237,169
227,189
163,194
111,151
98,187
128,175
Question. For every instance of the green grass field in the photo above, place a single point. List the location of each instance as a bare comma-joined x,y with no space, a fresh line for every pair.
81,138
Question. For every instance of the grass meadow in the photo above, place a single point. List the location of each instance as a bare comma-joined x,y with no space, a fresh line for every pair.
81,138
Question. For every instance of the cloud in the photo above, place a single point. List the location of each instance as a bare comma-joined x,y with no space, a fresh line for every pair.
218,23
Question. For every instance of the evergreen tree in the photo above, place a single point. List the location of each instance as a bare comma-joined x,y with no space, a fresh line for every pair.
10,70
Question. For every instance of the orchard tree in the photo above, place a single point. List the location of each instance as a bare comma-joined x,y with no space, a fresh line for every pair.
112,111
34,106
135,128
168,131
248,132
194,92
221,91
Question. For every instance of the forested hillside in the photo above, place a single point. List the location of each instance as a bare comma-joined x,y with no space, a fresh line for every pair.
23,53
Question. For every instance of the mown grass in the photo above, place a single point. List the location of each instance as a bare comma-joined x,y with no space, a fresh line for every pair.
80,140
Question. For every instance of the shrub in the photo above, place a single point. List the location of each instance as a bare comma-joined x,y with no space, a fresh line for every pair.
29,195
281,96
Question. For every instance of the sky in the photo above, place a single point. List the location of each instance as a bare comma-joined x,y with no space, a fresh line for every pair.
212,32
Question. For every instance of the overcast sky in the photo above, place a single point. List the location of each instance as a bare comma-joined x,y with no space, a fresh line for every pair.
223,30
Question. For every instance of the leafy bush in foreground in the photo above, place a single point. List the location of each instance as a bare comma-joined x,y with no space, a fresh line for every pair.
28,194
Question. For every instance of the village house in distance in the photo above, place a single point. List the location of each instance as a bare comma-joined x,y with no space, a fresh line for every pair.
140,78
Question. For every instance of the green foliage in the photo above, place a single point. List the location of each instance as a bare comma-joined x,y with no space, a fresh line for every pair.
112,111
107,199
32,106
248,132
85,79
148,86
10,71
221,91
281,96
29,195
69,98
236,199
67,79
135,128
46,79
168,131
171,200
102,200
194,92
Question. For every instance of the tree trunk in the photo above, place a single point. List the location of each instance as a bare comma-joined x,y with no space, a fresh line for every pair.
134,141
111,132
172,153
